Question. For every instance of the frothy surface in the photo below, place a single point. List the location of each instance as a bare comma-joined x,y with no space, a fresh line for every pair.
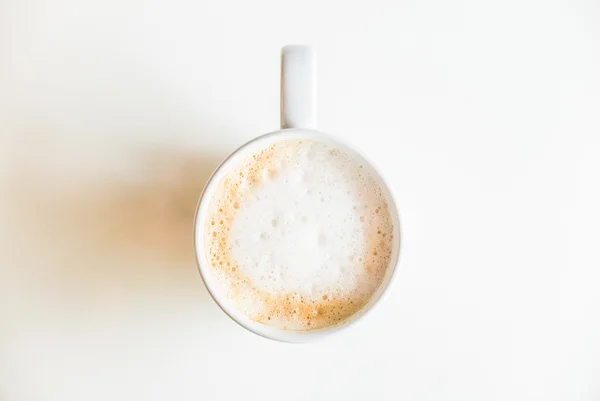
299,235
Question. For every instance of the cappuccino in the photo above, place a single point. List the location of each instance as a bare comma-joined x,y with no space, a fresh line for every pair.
299,234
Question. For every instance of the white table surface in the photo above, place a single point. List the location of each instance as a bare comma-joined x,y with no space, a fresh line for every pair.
484,114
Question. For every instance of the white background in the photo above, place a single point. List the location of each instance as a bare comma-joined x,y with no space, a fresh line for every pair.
485,116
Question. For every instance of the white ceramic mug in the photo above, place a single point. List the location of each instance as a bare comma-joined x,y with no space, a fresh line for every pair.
298,121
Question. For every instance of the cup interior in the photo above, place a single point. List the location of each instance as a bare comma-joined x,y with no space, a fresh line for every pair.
228,305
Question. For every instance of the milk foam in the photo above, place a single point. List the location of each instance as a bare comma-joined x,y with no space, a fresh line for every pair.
299,235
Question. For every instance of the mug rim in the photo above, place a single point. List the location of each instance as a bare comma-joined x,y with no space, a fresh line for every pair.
268,332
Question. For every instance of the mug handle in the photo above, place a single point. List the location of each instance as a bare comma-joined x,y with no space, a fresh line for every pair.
298,87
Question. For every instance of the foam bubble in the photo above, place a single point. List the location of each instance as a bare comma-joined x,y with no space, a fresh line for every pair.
299,235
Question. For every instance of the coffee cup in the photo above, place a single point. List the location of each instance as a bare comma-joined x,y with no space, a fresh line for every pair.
297,235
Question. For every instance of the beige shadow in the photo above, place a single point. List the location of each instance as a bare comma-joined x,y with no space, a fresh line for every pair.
125,237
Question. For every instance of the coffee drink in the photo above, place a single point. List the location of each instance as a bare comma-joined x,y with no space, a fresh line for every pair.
299,234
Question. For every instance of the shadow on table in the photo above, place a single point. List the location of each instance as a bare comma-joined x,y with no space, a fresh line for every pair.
117,238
